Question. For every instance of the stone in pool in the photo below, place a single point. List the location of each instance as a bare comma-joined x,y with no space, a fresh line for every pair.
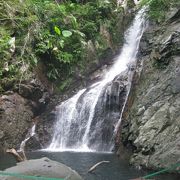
43,167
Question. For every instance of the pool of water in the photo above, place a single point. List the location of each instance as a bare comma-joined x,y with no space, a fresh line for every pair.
116,169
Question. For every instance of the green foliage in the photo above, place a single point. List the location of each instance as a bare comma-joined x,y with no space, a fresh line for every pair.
70,25
161,63
64,85
158,8
4,45
8,68
55,34
18,23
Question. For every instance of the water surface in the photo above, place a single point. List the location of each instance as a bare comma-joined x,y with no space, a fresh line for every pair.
81,162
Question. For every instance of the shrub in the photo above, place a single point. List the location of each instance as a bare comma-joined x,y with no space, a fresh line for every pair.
158,8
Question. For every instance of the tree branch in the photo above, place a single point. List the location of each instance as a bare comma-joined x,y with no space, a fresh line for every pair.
96,165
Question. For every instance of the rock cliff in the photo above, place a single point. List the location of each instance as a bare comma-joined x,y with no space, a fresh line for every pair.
18,109
151,123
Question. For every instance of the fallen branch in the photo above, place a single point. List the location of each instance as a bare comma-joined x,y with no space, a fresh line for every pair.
17,156
24,155
95,166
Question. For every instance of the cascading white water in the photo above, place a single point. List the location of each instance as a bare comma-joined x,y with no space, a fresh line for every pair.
80,125
30,134
66,112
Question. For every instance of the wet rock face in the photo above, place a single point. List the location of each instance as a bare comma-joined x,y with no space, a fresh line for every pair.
15,118
17,110
33,143
152,124
107,113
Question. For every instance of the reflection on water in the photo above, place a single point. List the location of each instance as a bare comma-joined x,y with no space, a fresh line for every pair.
81,162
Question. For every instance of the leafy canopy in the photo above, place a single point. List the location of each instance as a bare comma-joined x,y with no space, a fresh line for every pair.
158,8
55,34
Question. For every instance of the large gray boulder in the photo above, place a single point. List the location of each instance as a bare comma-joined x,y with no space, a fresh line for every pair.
43,167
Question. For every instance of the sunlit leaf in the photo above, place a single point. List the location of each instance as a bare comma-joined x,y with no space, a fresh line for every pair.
66,33
74,21
62,8
61,43
57,30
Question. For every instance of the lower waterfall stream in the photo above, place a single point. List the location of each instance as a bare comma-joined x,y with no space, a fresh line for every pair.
86,122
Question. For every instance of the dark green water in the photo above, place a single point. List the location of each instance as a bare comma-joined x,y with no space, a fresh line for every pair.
115,170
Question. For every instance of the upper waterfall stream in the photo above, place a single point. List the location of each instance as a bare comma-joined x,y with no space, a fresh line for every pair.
86,122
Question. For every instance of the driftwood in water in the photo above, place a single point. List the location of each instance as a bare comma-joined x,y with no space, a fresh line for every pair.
24,155
95,166
18,157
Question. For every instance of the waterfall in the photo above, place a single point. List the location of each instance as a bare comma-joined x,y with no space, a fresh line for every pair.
30,134
86,122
